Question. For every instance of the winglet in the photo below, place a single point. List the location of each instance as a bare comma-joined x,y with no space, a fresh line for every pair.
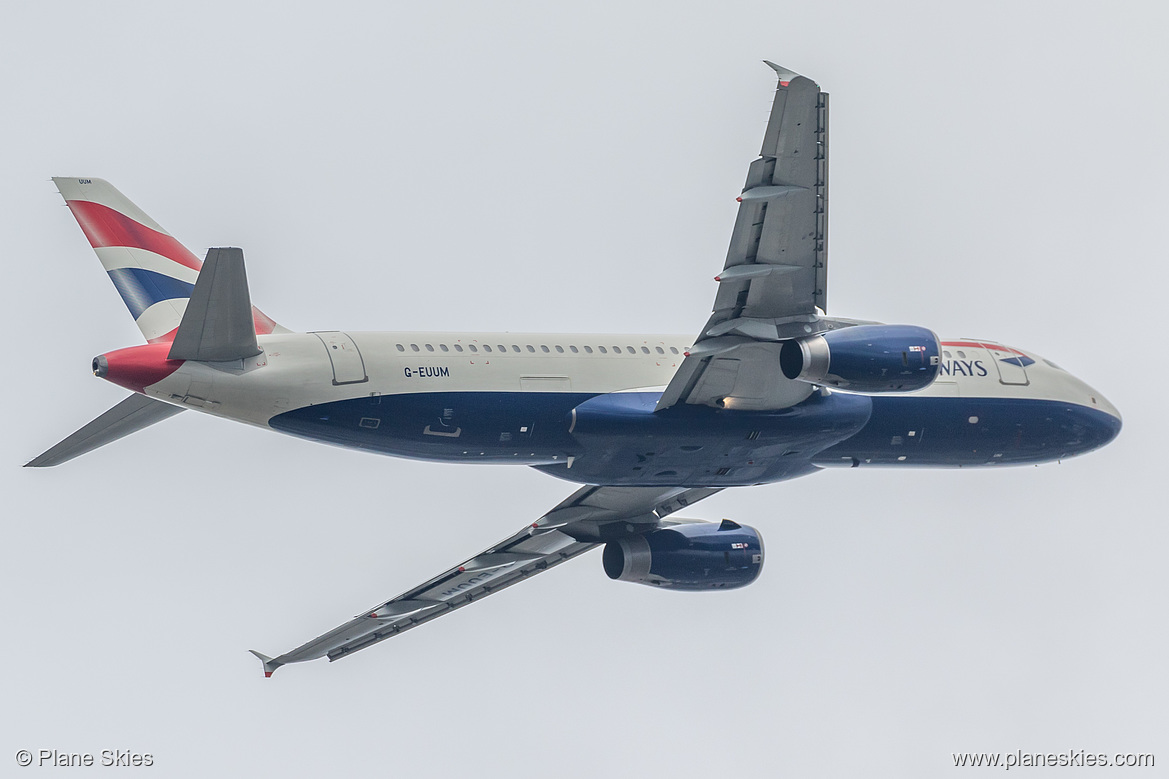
785,75
270,665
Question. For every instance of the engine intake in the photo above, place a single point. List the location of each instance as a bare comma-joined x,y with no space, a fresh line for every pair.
865,358
699,556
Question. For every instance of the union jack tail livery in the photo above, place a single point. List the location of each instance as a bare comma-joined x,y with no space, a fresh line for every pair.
151,270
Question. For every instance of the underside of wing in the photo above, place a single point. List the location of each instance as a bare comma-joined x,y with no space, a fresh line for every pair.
589,517
774,284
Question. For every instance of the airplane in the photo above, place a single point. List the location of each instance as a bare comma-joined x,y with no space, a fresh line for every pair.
771,389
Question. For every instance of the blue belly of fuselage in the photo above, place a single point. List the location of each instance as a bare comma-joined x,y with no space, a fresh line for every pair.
618,439
949,432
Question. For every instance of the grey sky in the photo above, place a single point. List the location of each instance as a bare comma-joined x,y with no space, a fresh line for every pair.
997,171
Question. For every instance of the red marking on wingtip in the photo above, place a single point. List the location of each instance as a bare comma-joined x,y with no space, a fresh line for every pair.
267,674
784,83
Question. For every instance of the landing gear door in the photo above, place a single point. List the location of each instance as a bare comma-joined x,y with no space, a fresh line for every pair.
348,365
1011,364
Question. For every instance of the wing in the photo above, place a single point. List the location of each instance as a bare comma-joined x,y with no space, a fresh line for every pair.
774,284
591,516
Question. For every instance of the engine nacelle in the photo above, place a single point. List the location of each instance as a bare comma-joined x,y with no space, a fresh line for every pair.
865,358
699,556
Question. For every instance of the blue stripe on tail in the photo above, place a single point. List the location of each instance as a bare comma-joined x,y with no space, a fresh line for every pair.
140,289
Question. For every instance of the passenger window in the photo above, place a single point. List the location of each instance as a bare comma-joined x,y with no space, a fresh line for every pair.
458,348
961,355
559,349
673,350
631,350
515,348
660,350
501,347
946,355
473,347
543,348
645,349
616,350
573,349
414,347
400,347
603,350
486,347
588,350
429,348
443,347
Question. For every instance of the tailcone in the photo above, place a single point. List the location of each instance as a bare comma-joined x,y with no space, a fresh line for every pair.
136,367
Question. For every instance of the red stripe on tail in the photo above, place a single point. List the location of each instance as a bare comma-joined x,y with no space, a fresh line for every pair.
104,226
264,325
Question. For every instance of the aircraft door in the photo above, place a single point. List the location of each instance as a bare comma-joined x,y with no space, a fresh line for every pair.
1011,365
348,365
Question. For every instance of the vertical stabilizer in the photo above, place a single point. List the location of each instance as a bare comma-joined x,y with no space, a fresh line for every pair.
152,271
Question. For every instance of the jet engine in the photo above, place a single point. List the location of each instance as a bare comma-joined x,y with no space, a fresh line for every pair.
691,556
865,358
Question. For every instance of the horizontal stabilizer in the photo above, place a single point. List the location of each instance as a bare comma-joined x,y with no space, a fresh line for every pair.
131,415
217,325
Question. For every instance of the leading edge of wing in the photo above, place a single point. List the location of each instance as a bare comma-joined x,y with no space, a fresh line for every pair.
589,517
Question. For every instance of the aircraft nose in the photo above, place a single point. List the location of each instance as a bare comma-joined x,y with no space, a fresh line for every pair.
1104,405
1099,421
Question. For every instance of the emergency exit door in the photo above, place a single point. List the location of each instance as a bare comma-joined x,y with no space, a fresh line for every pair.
348,365
1012,365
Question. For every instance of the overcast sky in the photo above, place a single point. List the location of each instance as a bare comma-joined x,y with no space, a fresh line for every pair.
998,171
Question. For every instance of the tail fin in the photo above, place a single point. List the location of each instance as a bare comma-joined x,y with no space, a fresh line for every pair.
152,271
